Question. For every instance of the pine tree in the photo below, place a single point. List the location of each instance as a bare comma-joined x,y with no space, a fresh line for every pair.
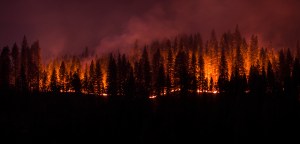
91,80
170,70
16,64
85,81
53,81
76,83
44,79
192,74
253,49
146,72
270,76
5,68
201,73
181,72
223,81
211,84
160,81
112,77
99,75
130,84
62,76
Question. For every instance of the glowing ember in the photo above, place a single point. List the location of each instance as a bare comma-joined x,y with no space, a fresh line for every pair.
152,97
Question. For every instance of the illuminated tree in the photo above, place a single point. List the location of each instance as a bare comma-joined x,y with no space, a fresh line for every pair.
44,79
253,49
201,73
211,84
170,70
85,81
239,63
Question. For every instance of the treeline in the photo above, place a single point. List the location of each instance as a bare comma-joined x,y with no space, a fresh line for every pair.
181,65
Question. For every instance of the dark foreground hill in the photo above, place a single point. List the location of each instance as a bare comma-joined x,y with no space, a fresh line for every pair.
69,118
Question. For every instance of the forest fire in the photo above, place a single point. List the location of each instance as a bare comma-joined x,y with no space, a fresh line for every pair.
183,64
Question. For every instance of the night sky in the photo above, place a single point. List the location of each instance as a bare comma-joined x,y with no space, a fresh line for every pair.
67,26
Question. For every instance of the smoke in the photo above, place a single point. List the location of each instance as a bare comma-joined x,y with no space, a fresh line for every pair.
67,27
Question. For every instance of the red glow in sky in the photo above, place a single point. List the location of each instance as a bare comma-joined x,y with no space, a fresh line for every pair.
71,25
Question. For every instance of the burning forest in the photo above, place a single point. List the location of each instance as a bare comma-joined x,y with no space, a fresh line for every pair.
183,64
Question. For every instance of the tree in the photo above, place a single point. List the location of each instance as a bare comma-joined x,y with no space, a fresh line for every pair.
211,84
253,49
146,72
5,68
239,63
44,79
53,81
76,84
130,84
99,75
34,62
91,80
62,76
201,73
24,65
160,82
270,76
85,82
170,70
223,81
16,64
181,72
192,74
112,77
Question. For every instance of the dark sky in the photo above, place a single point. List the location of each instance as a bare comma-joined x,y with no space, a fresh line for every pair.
67,26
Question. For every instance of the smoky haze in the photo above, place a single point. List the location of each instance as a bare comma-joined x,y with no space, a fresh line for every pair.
69,26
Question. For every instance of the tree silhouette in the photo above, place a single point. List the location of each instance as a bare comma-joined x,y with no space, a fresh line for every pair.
44,79
5,68
16,64
62,76
99,84
130,87
201,78
34,63
112,77
181,72
192,74
85,82
223,71
270,77
160,85
76,84
170,71
53,81
92,80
